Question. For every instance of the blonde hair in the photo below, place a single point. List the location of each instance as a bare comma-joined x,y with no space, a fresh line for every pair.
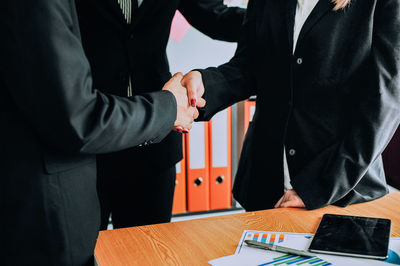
340,4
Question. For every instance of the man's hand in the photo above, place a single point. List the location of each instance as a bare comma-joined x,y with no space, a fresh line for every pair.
290,200
193,83
185,113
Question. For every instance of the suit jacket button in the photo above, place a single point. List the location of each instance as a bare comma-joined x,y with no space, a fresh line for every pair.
299,61
292,152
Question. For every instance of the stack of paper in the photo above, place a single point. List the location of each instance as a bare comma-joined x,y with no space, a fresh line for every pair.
249,256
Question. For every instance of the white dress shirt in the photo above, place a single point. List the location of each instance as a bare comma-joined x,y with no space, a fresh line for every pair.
303,10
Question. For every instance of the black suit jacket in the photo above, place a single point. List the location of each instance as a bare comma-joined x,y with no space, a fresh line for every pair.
117,51
53,122
334,103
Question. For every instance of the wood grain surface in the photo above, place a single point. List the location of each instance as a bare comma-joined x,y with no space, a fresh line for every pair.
195,242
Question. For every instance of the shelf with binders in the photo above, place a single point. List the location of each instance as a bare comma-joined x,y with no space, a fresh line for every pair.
205,175
207,166
205,148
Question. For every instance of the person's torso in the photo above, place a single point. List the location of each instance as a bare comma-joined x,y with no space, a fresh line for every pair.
119,51
305,99
307,95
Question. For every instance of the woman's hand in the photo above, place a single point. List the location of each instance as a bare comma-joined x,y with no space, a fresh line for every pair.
193,83
290,200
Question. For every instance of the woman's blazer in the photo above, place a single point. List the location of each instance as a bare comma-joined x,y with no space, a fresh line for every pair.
333,103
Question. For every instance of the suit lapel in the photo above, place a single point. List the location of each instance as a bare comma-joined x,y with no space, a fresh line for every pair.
144,10
320,10
290,15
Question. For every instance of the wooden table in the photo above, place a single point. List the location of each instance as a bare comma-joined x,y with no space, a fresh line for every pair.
196,242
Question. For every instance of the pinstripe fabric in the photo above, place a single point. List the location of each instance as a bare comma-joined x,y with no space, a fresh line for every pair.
126,8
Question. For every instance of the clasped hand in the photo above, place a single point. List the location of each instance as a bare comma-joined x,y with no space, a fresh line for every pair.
188,91
290,199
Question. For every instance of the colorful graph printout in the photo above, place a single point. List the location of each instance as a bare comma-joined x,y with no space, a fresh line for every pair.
248,256
289,239
296,260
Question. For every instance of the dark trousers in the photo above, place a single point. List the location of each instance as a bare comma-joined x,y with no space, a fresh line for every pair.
134,194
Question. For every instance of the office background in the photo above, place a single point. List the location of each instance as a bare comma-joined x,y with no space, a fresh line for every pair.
190,49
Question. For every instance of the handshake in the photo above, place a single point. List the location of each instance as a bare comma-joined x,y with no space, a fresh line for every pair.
188,91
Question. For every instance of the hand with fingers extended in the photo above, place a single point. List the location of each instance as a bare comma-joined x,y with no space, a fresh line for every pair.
185,113
290,199
193,83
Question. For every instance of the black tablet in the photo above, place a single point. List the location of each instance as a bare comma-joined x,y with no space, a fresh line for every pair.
352,236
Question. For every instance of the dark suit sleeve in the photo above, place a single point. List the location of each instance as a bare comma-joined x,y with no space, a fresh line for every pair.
213,18
233,81
337,170
49,80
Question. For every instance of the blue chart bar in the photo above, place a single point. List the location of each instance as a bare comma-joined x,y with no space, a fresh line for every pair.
296,260
272,239
255,236
316,261
264,238
279,259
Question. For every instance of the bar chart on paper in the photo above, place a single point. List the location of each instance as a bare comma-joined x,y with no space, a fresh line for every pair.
283,239
263,237
294,240
246,255
296,260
